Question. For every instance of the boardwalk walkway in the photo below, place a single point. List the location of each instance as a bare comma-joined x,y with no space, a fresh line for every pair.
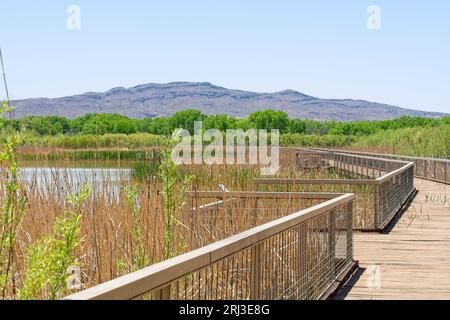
410,261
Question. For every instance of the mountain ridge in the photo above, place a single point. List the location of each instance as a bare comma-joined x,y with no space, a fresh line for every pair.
162,99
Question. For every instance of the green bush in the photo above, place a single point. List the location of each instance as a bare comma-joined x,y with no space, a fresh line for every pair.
50,258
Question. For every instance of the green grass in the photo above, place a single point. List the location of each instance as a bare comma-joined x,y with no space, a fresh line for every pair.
131,141
311,140
428,141
432,141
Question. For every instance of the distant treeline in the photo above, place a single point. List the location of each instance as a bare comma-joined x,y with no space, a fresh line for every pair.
101,124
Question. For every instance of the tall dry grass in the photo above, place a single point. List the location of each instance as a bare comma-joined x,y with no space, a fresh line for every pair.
108,245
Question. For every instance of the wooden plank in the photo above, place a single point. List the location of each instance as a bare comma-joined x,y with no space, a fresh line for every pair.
412,261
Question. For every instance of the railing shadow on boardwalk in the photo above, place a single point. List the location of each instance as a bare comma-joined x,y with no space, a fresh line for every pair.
354,278
351,282
400,213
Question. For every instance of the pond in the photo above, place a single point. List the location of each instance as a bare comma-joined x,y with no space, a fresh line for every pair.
69,177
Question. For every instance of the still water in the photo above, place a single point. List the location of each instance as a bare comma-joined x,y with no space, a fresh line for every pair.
69,177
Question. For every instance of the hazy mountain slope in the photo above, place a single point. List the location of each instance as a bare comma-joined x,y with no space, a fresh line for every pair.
154,100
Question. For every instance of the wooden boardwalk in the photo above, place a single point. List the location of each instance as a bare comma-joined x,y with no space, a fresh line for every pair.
412,259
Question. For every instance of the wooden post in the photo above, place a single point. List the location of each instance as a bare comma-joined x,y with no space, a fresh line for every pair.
434,169
162,294
353,165
350,161
332,244
378,168
358,165
376,206
337,160
445,171
256,272
367,168
349,230
254,185
302,261
255,213
425,170
346,165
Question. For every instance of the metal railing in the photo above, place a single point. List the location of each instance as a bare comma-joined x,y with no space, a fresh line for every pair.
433,169
213,216
381,186
300,255
303,159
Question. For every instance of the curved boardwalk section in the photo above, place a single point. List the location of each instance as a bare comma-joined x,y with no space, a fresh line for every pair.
412,259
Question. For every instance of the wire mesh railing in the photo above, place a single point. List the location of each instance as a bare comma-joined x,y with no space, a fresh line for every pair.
298,255
213,216
364,191
381,186
434,169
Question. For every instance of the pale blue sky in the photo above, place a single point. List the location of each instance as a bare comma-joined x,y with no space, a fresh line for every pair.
322,48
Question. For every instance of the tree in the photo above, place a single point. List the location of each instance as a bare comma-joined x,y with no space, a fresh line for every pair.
270,119
50,125
221,122
297,126
105,123
243,124
160,126
185,120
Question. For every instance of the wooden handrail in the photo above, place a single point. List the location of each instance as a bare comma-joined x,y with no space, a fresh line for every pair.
263,194
381,154
440,168
395,172
354,155
314,181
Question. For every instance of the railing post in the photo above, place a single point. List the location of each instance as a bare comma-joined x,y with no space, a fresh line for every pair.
349,216
339,161
344,164
302,253
379,168
353,165
376,206
255,185
162,294
359,167
445,171
367,168
434,169
332,244
256,272
425,170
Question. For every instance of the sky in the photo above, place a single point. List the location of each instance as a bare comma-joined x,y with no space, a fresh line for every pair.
320,48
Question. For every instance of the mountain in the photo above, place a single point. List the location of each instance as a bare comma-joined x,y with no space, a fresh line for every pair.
158,100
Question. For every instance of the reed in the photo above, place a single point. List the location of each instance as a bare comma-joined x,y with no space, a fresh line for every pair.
126,224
